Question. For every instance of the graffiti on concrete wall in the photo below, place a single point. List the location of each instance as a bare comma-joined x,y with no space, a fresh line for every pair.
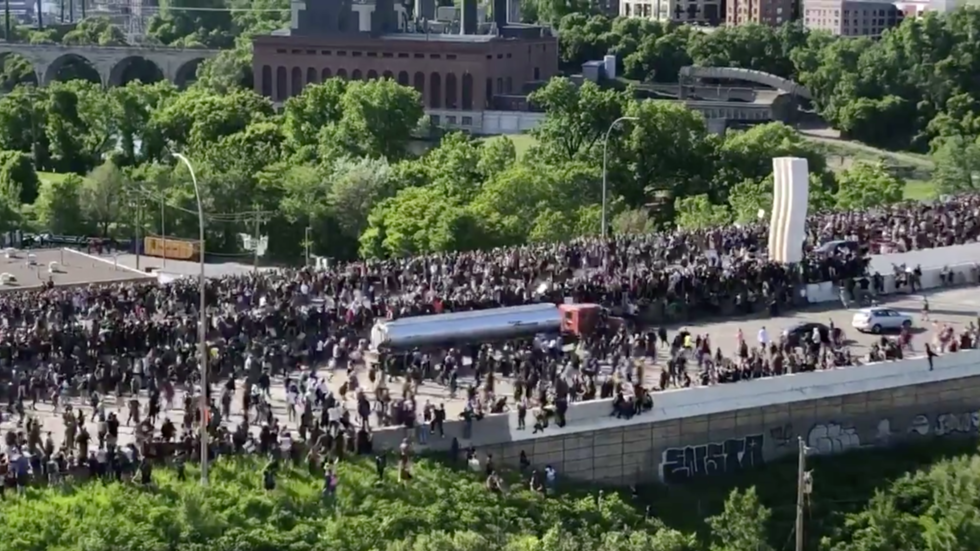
731,456
920,425
966,422
827,438
957,423
783,435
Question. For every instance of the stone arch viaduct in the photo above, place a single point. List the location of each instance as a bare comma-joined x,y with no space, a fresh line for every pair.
178,65
733,73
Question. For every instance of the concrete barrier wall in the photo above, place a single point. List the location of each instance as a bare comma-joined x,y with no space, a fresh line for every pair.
828,292
765,415
681,449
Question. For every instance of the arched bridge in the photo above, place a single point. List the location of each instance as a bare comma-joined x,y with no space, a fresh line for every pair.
750,75
177,65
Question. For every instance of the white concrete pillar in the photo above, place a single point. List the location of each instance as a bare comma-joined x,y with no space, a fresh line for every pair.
364,12
402,16
295,7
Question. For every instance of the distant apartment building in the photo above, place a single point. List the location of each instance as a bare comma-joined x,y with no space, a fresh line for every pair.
763,12
943,6
695,12
914,8
850,17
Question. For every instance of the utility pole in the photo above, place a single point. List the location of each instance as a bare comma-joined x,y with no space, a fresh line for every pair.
306,241
163,229
6,21
259,219
136,229
40,17
804,487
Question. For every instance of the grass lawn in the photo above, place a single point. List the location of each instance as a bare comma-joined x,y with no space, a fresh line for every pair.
916,169
920,190
53,177
522,142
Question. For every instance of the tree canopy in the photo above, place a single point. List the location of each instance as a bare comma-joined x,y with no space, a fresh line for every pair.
917,498
359,166
357,163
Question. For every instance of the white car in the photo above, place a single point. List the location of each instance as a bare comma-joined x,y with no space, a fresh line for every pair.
877,320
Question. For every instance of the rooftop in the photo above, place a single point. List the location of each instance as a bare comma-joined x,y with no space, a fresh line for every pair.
75,268
418,37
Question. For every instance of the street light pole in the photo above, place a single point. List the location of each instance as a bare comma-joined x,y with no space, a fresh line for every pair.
605,158
306,239
202,344
163,225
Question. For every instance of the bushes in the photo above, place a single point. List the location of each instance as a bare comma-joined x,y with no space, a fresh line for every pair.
439,509
861,501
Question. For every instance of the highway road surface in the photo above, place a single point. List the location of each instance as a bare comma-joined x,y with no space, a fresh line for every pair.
957,307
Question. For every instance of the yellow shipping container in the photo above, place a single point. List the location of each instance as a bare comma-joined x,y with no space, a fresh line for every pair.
177,249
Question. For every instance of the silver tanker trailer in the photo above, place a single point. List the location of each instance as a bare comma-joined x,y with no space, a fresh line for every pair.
482,326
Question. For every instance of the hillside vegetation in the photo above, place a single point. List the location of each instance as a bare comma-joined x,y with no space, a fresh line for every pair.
916,498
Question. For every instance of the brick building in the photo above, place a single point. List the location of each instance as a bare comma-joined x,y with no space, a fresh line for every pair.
454,60
764,12
851,17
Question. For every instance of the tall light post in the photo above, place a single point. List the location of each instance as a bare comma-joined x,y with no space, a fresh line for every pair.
306,243
163,223
605,160
202,344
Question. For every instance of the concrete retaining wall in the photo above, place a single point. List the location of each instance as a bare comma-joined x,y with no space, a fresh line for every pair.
678,450
725,428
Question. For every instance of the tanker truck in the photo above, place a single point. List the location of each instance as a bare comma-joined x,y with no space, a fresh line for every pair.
492,325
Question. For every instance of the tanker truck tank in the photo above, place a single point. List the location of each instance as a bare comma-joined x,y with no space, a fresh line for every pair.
458,328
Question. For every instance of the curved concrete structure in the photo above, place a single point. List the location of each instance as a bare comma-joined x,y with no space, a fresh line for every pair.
175,64
749,75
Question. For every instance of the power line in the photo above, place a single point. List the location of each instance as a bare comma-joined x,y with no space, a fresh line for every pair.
229,217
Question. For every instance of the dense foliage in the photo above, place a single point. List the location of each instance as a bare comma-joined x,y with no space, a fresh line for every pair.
342,159
913,88
914,85
354,162
910,499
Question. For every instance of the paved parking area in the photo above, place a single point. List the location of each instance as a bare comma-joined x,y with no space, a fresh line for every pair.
75,269
958,307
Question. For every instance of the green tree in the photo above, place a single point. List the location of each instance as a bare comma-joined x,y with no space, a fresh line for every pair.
18,177
577,117
102,196
419,220
866,185
668,152
496,156
98,31
957,162
132,107
23,115
742,525
198,118
59,206
377,120
697,212
356,186
318,107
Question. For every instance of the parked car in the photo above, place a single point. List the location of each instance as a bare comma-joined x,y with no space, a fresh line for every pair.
796,334
832,246
877,320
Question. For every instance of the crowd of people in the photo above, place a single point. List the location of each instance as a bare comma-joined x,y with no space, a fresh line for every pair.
133,346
